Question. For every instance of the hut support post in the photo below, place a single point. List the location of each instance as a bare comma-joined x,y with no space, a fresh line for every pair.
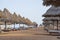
53,24
57,24
0,29
5,25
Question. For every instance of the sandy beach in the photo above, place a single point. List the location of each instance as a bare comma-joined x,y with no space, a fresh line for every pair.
30,34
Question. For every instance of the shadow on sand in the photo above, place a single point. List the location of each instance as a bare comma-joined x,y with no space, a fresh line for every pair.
45,34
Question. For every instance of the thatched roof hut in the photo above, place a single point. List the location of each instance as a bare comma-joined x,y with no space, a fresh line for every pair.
51,19
52,12
51,2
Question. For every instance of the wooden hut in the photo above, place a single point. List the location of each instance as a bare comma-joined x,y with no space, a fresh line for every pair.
53,14
52,22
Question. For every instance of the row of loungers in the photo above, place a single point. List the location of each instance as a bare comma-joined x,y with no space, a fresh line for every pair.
21,28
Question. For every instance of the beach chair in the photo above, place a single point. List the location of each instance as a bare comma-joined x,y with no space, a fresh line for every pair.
6,30
54,32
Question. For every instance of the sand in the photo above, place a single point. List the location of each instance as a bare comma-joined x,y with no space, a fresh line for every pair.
30,34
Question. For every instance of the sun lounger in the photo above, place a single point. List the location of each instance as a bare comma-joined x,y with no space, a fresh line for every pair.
6,30
54,32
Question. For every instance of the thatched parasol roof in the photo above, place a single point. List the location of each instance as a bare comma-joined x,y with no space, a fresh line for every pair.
51,2
29,22
20,19
7,14
24,20
15,18
34,23
53,11
1,14
3,17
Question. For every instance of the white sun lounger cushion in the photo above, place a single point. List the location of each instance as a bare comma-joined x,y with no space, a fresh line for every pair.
54,31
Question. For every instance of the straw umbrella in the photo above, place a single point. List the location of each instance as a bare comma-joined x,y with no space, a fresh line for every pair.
15,19
20,20
24,21
35,24
53,12
8,17
51,2
1,16
29,22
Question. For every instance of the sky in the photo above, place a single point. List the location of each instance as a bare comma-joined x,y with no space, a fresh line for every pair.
32,9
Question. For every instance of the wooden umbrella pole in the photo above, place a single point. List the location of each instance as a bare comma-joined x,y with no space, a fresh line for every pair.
23,25
19,24
5,25
14,26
